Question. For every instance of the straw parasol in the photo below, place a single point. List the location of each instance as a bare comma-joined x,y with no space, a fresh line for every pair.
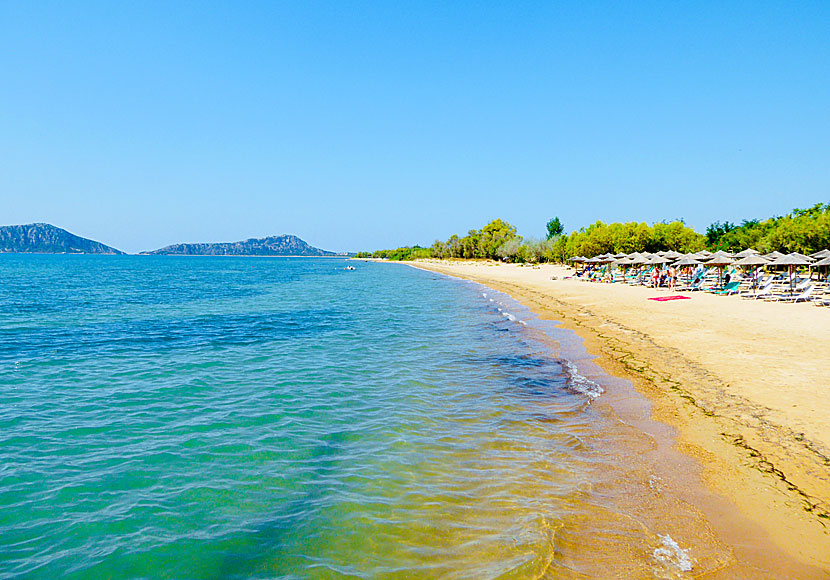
821,263
746,253
687,261
704,253
774,255
673,255
791,261
578,259
753,260
719,254
658,260
821,254
808,258
720,260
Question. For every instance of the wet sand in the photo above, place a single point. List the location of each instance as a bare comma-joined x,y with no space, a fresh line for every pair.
743,384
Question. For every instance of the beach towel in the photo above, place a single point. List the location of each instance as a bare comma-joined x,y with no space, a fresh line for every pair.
665,298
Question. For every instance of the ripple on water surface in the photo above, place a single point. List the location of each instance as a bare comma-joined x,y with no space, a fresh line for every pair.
219,418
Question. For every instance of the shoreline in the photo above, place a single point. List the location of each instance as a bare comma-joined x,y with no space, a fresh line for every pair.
768,474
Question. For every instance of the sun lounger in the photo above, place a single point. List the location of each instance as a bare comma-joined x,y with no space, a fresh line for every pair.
804,295
730,288
764,289
693,286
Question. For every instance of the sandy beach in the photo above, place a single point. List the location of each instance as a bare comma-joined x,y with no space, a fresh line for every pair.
744,384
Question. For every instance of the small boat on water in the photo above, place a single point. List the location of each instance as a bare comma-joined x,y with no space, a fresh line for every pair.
349,268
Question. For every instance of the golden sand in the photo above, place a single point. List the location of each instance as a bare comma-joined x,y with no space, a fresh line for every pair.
746,385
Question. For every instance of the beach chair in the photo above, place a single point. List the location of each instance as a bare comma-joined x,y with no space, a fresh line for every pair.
694,285
763,291
730,288
805,296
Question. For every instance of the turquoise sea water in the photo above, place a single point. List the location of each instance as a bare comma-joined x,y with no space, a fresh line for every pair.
170,417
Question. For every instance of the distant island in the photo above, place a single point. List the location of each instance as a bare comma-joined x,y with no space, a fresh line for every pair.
48,239
285,245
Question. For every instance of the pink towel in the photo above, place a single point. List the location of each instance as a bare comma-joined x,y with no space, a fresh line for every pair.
665,298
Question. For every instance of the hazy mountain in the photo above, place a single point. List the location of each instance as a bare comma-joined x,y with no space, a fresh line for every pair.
286,245
48,239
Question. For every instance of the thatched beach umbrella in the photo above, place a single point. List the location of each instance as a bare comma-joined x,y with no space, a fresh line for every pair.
821,263
799,255
746,253
673,255
792,262
687,261
720,254
753,260
774,255
821,254
720,260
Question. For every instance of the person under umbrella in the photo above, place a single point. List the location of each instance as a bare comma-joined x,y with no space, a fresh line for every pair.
720,260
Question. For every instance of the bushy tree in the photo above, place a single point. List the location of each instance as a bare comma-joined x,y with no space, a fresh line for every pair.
555,228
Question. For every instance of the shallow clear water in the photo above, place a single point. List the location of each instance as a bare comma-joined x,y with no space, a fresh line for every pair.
169,417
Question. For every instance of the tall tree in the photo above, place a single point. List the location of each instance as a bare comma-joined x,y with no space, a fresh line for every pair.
555,228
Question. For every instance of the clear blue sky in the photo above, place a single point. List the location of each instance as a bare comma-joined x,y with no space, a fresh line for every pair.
367,125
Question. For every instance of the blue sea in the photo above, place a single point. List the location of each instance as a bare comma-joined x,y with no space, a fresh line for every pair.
222,418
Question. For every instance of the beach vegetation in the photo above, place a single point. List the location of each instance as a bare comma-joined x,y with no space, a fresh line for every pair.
802,230
616,238
555,228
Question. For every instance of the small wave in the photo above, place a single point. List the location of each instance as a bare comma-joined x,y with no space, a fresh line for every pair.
672,555
580,383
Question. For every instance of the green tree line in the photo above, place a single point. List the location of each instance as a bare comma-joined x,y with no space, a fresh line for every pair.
803,230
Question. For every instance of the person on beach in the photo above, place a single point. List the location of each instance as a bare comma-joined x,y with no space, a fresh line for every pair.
672,278
655,277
